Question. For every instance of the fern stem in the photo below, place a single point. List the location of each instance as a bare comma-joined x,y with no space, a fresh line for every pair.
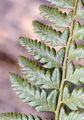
65,63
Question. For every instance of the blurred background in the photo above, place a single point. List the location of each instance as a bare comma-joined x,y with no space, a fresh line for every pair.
16,18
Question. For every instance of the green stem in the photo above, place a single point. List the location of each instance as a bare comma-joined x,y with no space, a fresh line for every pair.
65,63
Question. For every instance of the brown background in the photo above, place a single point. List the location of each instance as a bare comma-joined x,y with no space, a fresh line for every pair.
16,18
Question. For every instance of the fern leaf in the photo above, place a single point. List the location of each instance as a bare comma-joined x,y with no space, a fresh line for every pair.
17,116
80,10
49,35
77,54
43,53
71,116
75,100
40,76
77,77
70,69
66,92
73,47
33,96
54,15
55,83
78,33
63,3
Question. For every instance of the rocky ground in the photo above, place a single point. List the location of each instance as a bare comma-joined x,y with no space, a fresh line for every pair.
16,18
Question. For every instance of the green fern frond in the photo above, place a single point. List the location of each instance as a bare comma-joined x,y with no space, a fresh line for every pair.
33,95
55,16
74,115
63,3
77,54
70,69
17,116
46,55
77,77
78,33
75,100
40,76
80,10
49,35
54,84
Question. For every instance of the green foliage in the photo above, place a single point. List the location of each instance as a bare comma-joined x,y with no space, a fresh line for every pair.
40,76
55,16
17,116
63,3
77,77
49,35
80,11
75,100
77,54
78,32
70,69
72,116
33,95
43,53
52,81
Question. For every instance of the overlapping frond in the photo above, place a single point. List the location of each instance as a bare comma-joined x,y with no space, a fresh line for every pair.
78,33
41,77
63,3
80,10
55,16
75,115
49,35
17,116
46,55
77,77
33,95
74,100
54,83
77,54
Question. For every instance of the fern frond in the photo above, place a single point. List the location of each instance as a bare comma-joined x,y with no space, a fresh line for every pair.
17,116
70,69
77,54
40,75
75,100
55,16
57,85
32,95
78,33
46,55
74,115
77,77
63,3
49,35
80,10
